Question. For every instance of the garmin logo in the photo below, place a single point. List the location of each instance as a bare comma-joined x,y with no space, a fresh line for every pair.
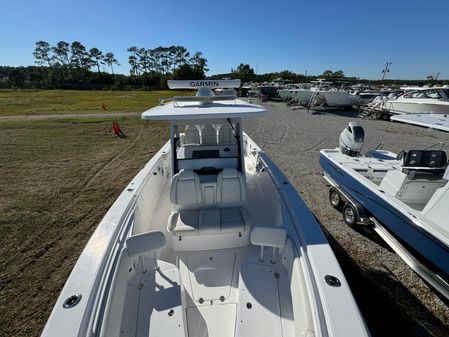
194,84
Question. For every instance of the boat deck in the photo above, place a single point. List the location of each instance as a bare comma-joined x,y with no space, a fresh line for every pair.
374,166
210,293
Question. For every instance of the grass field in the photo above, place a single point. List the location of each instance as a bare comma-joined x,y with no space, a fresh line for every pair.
14,103
58,180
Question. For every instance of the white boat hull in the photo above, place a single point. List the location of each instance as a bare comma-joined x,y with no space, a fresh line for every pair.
401,107
339,98
433,121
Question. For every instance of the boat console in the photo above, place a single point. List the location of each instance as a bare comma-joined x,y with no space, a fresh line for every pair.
420,176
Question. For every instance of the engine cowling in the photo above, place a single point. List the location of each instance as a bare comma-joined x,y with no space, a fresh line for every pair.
351,139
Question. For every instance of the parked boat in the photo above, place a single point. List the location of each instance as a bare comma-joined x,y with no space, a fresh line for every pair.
420,100
323,94
295,91
364,97
339,98
405,197
209,239
270,90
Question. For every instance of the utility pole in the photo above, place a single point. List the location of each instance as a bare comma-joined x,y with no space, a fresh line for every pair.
386,70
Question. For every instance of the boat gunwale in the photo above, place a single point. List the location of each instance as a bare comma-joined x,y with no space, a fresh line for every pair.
323,297
98,283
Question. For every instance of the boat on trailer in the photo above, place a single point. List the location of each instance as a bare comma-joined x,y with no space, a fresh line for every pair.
209,239
405,197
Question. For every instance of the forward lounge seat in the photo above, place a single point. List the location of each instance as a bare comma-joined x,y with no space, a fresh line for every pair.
422,174
208,209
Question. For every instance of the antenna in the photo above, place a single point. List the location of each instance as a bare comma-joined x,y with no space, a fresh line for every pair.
197,84
386,70
436,77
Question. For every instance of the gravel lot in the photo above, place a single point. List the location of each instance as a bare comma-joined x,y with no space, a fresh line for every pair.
393,299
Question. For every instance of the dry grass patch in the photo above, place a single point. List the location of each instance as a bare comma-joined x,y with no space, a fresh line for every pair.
37,102
58,180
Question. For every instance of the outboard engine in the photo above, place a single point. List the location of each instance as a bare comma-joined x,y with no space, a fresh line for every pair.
351,139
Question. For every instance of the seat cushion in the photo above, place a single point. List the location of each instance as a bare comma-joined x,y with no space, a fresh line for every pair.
184,223
232,220
231,188
185,190
209,221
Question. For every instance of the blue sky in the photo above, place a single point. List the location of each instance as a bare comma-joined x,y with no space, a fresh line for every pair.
357,37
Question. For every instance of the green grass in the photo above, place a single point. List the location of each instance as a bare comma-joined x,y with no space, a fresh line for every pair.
58,178
14,103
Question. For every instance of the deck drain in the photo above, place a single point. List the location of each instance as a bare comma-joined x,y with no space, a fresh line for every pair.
332,281
171,312
201,300
222,298
249,305
71,301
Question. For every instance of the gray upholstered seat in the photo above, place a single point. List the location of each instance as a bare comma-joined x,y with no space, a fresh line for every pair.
194,215
191,135
208,135
226,135
186,198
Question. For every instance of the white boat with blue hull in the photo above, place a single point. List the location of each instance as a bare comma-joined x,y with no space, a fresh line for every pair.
405,197
209,239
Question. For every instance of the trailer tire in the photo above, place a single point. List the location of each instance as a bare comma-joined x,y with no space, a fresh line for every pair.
350,214
335,199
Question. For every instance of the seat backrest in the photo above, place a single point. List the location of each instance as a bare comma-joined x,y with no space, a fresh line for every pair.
231,187
208,135
269,236
226,135
145,243
185,189
425,158
191,135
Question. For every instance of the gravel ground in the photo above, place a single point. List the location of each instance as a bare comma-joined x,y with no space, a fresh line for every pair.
393,299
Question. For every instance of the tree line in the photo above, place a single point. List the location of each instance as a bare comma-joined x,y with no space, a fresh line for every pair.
246,74
73,65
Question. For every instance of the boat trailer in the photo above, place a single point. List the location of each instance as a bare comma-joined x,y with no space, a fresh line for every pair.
356,214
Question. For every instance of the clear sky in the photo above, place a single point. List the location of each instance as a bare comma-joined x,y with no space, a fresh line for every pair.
356,36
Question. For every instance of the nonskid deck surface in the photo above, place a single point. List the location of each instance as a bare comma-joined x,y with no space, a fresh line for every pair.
374,166
222,293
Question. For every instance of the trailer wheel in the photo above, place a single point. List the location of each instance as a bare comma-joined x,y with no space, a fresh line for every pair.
386,117
335,199
350,214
